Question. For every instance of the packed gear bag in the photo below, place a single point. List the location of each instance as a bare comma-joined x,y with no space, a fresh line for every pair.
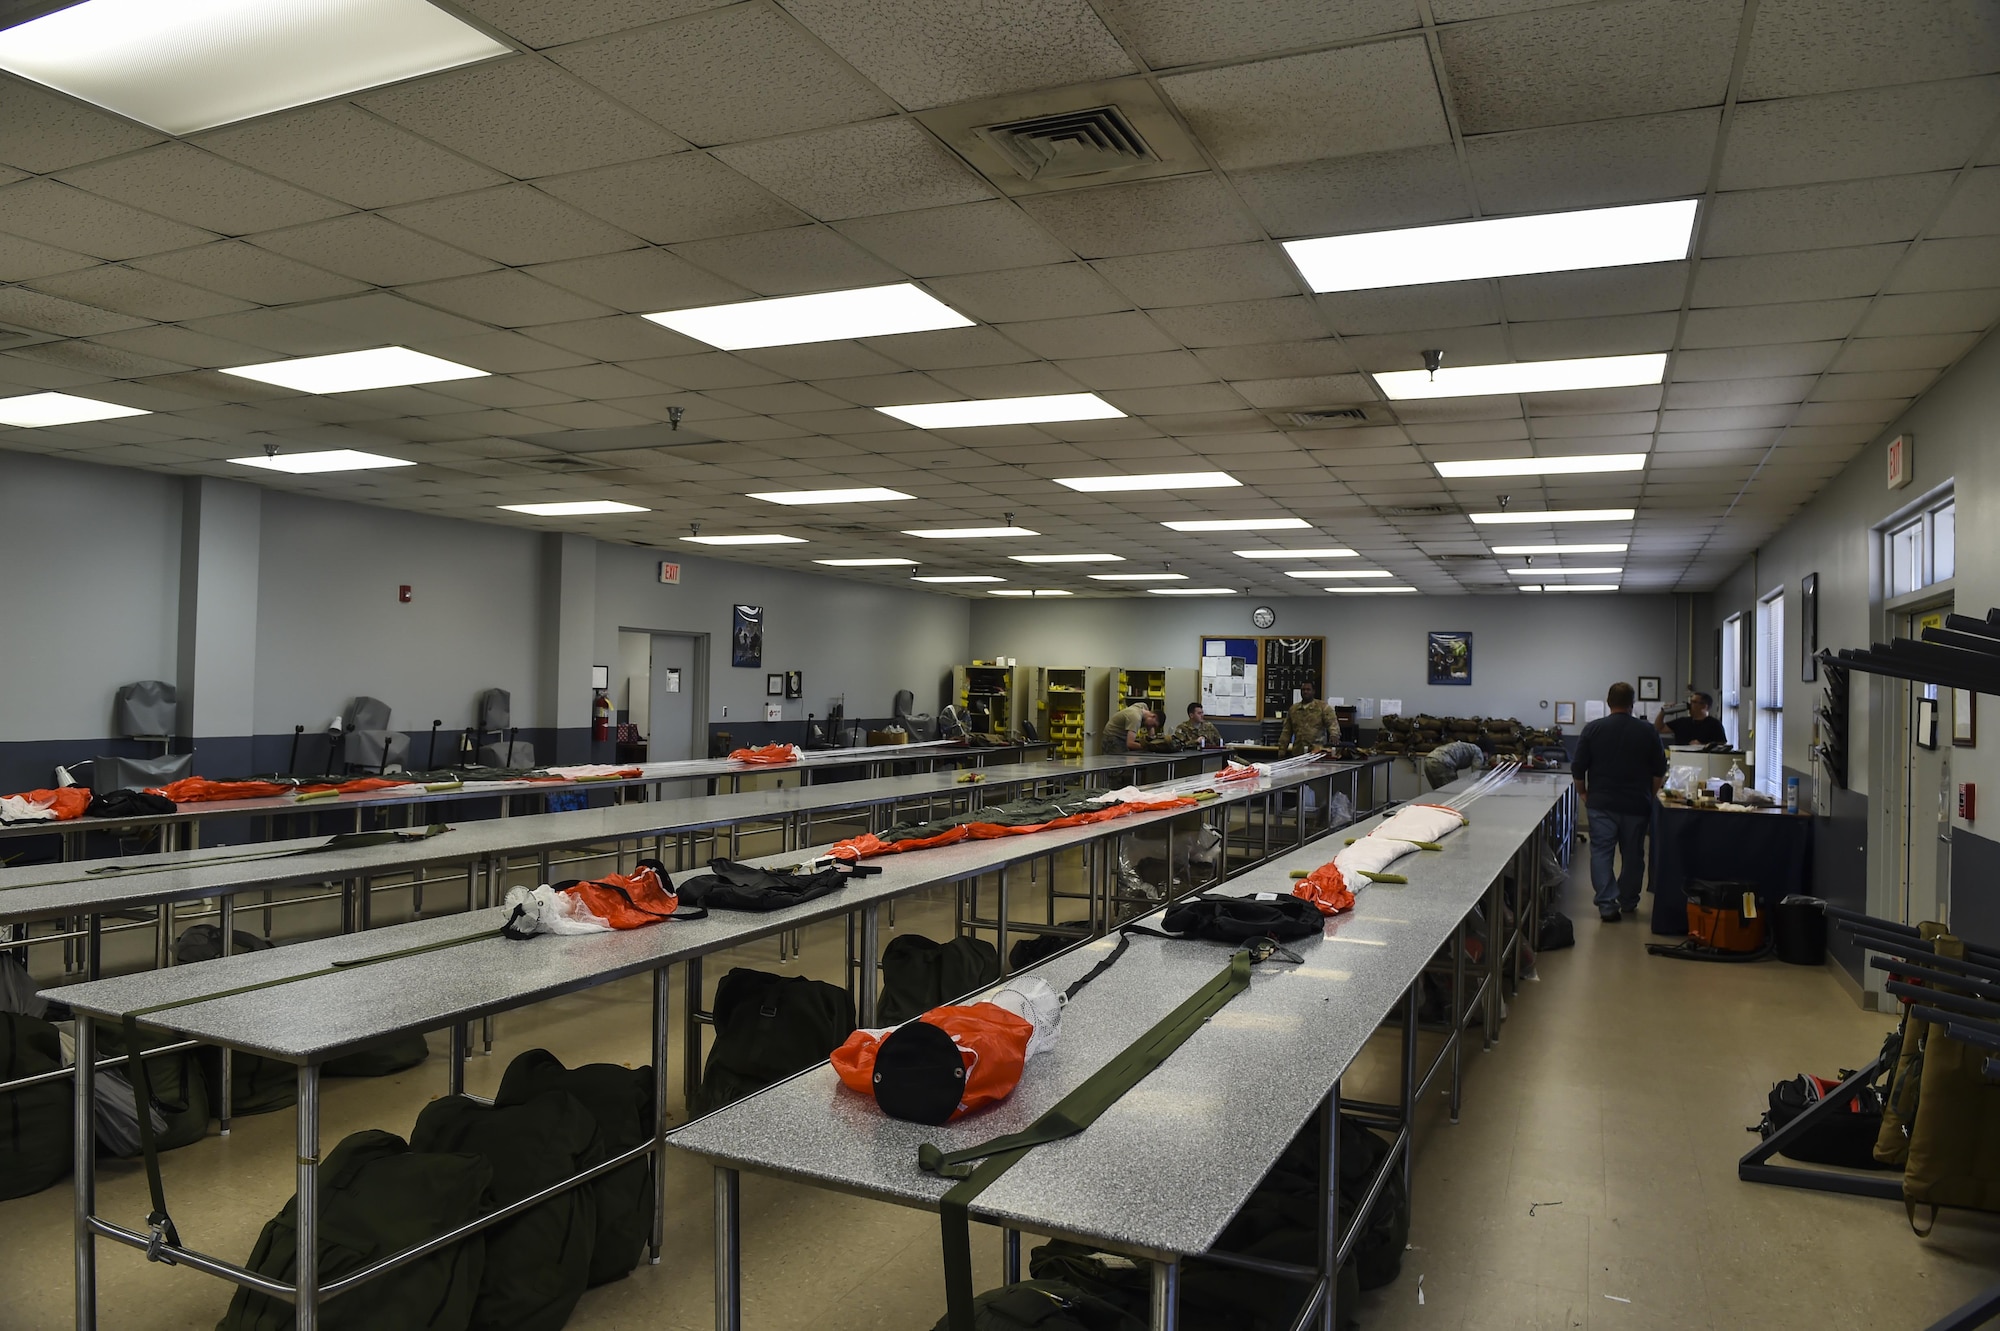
384,1057
1954,1157
37,1141
1046,1305
538,1262
731,886
1846,1136
1557,931
1239,919
768,1027
128,803
256,1085
376,1198
620,1099
1899,1106
179,1092
1724,924
1034,948
919,974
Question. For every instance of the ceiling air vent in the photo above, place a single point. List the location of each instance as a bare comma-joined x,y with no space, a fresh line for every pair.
1417,511
1070,143
563,464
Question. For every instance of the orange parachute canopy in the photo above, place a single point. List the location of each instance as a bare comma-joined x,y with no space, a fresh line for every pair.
992,1041
869,845
66,803
201,790
766,754
1326,887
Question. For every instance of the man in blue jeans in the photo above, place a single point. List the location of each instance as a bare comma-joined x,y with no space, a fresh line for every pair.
1619,766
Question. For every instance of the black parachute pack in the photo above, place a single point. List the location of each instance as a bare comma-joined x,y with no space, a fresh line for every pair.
36,1122
129,804
768,1027
1843,1136
1047,1305
919,974
731,886
1238,920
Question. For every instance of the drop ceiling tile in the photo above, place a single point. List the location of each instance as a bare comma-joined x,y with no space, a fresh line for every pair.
234,268
584,416
508,299
129,291
65,318
1395,309
879,166
1831,436
1632,289
1092,335
1951,265
685,196
282,334
99,362
640,281
885,389
181,181
1809,275
949,347
342,151
522,116
927,53
1619,335
714,369
1631,58
388,318
1243,322
1754,362
1200,277
617,339
1904,353
1974,209
1681,441
501,353
788,262
1847,135
828,360
1053,292
726,76
515,224
1854,411
1342,194
965,238
1593,401
184,346
42,131
23,260
594,381
1811,46
371,249
1189,32
1741,392
538,24
1030,379
1184,212
1874,384
1721,419
1404,351
1932,312
1155,369
1585,426
57,214
499,390
1629,160
1277,360
1748,325
1372,98
1314,391
1490,432
1854,212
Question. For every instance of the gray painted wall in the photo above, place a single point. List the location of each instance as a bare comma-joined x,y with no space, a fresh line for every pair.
1525,648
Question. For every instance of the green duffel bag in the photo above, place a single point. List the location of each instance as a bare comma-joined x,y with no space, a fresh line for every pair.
394,1053
180,1092
768,1027
37,1123
1046,1305
537,1263
256,1085
376,1198
919,974
621,1101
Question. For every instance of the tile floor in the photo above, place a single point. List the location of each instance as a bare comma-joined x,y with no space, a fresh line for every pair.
1591,1182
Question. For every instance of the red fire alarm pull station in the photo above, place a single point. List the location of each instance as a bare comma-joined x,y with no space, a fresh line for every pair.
1966,801
403,593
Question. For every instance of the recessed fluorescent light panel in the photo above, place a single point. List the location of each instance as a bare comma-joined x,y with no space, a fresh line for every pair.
1018,591
1004,411
1583,465
786,321
747,538
1497,247
1138,577
1522,516
867,563
574,508
1341,573
33,410
1368,591
1240,524
354,371
969,533
1613,548
1560,572
1165,480
1533,376
1581,587
958,577
201,63
872,494
1192,591
1329,552
326,460
1067,559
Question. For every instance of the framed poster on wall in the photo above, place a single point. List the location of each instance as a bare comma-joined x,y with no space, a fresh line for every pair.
746,636
1449,656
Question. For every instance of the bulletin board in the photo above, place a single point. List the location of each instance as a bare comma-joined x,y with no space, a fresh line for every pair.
1231,677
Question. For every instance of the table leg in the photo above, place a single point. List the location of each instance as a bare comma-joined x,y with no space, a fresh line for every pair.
1492,961
1457,1013
691,1051
1166,1296
1409,1075
871,951
84,1110
1329,1200
728,1251
1267,828
227,908
1010,1256
1002,918
660,1029
454,1069
93,950
306,1312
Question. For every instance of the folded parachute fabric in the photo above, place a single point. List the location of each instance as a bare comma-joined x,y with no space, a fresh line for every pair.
201,790
45,806
594,906
767,755
731,886
1235,771
953,1060
1015,818
593,772
1413,827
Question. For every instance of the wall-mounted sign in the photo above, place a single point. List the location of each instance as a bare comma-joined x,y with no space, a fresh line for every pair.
673,681
1901,466
670,573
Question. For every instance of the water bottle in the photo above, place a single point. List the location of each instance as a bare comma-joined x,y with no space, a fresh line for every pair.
1734,776
1791,794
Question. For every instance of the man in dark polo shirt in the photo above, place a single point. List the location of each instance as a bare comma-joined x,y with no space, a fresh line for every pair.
1697,727
1619,766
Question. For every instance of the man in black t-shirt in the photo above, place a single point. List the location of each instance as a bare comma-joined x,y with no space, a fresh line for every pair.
1619,766
1697,727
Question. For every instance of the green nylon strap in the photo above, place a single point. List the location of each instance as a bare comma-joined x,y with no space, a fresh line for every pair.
1069,1116
159,1221
333,969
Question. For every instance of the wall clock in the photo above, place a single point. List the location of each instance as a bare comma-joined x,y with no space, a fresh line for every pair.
1263,616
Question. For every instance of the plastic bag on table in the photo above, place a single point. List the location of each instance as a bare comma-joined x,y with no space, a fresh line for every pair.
1341,812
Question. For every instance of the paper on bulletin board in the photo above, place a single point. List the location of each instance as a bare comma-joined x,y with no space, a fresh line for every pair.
1392,707
1215,647
1593,710
1364,709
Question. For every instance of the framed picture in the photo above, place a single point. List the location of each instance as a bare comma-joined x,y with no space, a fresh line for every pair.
1649,688
1927,723
746,636
1450,657
1964,718
1809,627
774,686
795,684
1565,713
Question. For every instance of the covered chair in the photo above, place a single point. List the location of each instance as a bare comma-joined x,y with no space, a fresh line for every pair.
496,717
147,710
369,744
920,726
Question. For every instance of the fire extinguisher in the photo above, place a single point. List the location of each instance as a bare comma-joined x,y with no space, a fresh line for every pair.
600,718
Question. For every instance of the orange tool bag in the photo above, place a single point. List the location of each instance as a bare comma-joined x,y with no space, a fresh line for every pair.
1724,921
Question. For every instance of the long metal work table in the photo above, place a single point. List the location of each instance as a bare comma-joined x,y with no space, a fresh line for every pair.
186,819
1163,1172
327,1004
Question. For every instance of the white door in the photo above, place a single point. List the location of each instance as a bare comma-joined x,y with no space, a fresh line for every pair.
1924,800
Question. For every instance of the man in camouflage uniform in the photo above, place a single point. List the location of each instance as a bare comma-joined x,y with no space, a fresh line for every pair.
1197,732
1311,724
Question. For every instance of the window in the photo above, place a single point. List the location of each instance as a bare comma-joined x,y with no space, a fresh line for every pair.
1770,756
1732,683
1923,549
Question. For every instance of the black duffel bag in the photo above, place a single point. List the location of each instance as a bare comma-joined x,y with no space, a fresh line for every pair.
1844,1136
1240,919
731,886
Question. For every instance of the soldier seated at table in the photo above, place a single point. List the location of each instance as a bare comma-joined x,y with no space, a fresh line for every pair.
1197,732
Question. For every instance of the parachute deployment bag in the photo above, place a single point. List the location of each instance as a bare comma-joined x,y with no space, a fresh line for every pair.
36,1122
919,974
768,1027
